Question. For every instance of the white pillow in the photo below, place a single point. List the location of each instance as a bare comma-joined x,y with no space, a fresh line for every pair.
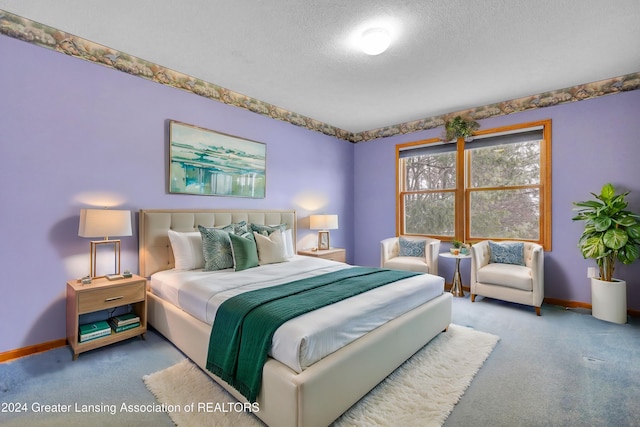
287,236
288,243
271,248
187,249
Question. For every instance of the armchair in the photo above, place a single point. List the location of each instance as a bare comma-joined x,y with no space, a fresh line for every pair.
390,255
522,284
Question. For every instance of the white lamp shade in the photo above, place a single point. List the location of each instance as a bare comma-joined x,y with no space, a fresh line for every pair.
104,223
323,222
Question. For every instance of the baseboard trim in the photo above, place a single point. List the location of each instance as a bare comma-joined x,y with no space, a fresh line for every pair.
578,304
32,349
448,286
569,304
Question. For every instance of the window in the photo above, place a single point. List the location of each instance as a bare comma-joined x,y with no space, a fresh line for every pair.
494,186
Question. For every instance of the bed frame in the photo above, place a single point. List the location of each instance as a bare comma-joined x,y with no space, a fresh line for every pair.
322,392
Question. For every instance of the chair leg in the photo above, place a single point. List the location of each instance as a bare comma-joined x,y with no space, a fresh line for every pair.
538,311
473,298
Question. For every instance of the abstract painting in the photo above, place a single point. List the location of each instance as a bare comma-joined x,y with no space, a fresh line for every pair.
205,162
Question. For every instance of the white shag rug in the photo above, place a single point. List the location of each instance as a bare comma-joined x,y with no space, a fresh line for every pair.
421,392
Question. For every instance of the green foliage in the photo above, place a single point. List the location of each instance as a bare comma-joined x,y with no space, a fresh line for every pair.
459,128
611,232
429,214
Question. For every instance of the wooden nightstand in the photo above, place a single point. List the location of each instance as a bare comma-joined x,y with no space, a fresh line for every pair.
103,294
334,254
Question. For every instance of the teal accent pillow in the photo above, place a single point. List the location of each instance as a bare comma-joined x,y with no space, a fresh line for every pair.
266,230
240,228
506,253
412,247
245,252
216,248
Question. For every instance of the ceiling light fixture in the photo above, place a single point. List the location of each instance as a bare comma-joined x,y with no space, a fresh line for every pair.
374,41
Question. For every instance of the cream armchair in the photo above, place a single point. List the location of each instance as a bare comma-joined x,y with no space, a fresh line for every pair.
390,251
522,284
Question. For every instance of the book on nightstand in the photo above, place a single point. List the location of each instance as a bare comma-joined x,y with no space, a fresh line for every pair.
121,328
94,330
125,319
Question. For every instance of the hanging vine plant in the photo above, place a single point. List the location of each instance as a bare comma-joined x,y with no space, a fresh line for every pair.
458,127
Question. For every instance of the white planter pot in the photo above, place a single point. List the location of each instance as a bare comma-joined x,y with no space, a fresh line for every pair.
609,300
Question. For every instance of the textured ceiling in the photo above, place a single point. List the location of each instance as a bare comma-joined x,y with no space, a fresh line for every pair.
446,55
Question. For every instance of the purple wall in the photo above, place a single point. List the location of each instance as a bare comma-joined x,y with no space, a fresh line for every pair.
75,134
594,142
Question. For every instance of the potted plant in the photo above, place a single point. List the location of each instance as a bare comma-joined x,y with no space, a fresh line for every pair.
459,127
458,247
611,234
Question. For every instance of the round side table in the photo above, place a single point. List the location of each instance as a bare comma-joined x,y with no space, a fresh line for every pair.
456,283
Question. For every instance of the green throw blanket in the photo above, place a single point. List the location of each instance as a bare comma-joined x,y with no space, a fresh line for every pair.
244,325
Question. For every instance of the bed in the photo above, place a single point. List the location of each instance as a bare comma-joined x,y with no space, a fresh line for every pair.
313,395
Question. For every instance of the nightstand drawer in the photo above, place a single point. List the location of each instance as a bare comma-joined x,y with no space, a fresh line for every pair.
110,297
333,254
340,257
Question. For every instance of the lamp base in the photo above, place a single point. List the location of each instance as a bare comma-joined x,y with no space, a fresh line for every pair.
93,255
323,240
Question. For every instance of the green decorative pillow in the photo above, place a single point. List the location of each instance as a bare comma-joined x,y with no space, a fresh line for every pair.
266,230
245,253
507,253
216,248
412,247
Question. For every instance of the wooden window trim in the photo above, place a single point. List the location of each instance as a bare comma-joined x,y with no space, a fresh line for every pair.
463,190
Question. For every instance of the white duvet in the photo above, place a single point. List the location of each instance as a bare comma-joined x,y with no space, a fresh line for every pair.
302,341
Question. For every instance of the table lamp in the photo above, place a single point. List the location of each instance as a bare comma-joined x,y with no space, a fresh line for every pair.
324,223
104,223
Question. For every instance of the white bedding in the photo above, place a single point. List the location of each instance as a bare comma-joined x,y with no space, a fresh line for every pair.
306,339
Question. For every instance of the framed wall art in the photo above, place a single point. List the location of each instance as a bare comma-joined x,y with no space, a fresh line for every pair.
205,162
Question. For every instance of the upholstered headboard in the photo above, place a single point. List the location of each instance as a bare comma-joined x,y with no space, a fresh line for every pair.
155,252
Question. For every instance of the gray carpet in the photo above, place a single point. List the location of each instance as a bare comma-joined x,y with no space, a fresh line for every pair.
110,376
564,368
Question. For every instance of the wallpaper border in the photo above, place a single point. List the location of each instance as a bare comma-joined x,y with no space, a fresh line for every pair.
41,35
